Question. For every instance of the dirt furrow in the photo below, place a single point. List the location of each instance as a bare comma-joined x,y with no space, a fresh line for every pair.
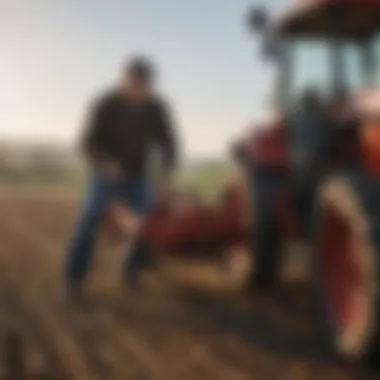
56,340
95,341
137,347
144,335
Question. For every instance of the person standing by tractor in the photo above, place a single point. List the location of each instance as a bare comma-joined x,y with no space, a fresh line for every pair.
267,172
124,127
308,136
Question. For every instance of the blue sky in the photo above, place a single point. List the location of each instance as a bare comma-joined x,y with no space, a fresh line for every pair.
56,54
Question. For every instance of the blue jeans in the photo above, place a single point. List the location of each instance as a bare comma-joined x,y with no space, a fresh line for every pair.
137,192
266,185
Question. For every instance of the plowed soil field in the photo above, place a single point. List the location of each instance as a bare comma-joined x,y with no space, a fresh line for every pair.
187,322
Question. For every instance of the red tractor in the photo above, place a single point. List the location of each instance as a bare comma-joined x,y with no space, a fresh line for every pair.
315,172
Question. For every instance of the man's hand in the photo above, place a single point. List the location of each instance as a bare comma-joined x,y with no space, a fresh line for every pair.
110,169
122,219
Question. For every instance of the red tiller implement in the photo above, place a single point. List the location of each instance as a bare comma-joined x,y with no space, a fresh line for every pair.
182,225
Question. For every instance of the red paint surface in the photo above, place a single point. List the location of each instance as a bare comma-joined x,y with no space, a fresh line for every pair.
268,146
370,142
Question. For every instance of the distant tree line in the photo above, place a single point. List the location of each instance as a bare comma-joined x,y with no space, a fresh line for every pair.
37,166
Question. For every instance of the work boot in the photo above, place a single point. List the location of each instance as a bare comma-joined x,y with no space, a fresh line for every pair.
139,259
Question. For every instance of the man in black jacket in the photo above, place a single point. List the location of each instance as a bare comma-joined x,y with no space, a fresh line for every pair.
125,127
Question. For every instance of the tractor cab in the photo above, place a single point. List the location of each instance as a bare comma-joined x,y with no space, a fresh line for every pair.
327,53
331,44
328,57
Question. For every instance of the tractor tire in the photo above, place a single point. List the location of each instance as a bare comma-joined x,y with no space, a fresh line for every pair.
347,272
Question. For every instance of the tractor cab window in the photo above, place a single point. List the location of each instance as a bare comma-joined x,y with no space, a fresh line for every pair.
310,68
353,68
377,58
356,71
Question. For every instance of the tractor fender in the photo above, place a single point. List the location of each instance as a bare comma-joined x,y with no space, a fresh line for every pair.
267,146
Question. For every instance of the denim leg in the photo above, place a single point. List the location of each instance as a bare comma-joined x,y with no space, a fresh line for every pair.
266,185
139,195
304,204
82,248
305,185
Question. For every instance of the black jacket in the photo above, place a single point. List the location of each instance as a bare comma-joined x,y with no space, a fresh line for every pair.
126,132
